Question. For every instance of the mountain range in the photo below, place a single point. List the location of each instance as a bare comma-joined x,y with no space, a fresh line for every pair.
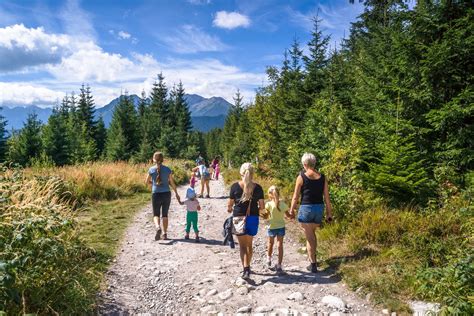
206,113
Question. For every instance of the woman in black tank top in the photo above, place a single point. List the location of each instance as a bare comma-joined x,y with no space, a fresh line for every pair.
313,188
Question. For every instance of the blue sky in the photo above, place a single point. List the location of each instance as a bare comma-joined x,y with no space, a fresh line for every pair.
49,48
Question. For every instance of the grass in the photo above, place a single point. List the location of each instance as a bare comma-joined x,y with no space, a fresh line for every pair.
397,255
103,223
60,227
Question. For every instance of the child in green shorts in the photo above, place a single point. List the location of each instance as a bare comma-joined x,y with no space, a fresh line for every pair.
276,211
192,207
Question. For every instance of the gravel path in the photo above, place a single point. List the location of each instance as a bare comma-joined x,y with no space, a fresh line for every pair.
180,276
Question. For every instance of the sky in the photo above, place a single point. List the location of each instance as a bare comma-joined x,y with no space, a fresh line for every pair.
49,48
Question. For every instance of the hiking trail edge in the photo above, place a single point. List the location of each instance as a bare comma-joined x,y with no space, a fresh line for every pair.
182,276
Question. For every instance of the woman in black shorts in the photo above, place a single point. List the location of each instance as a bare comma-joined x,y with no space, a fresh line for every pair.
241,194
313,188
160,177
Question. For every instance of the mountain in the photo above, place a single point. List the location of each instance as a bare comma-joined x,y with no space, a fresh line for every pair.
206,113
16,116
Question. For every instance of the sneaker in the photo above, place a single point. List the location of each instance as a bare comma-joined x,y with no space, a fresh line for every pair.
208,197
278,268
200,196
186,237
246,273
165,236
158,234
197,239
313,267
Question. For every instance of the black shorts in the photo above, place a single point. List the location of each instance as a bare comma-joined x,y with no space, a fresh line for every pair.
161,203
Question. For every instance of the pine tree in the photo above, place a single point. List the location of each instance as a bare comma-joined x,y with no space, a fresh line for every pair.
174,140
316,62
142,105
3,138
101,137
123,131
26,144
230,128
55,141
86,110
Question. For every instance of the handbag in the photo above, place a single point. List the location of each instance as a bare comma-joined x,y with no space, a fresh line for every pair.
238,222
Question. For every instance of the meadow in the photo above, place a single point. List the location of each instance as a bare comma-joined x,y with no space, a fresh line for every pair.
59,229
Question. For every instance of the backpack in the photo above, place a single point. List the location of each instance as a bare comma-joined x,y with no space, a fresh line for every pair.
205,172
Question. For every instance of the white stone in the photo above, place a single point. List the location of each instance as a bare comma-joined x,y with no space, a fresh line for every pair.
202,292
240,282
296,296
385,311
333,301
225,295
142,253
245,309
242,290
420,308
212,292
263,309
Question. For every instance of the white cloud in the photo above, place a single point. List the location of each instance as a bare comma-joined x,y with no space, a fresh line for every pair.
22,47
124,35
230,20
199,2
76,21
191,39
23,93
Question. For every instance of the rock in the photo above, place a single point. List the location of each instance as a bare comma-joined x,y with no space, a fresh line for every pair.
420,308
242,290
385,311
240,282
212,292
209,309
263,309
393,314
336,314
333,301
225,295
296,296
368,297
205,280
245,309
142,253
202,292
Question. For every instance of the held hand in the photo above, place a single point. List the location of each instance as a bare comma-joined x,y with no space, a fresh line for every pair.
329,219
178,198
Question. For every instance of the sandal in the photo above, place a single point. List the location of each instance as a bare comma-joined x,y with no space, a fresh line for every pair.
165,237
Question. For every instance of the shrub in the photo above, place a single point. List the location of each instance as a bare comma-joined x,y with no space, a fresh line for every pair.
44,267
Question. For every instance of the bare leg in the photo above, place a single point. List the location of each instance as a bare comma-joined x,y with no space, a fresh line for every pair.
165,225
243,249
202,186
156,220
271,240
280,249
310,232
207,186
249,250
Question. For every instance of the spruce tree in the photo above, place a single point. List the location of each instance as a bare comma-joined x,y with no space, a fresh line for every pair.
101,137
55,140
123,131
26,144
3,138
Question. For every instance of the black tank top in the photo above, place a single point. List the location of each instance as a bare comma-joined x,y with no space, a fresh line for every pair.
312,190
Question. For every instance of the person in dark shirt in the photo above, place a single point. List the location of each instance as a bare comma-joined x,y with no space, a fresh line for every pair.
243,193
313,188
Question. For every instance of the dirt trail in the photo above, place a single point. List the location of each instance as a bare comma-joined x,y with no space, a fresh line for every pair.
181,276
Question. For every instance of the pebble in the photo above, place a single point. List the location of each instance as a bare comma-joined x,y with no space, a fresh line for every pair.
242,290
225,295
296,296
263,309
202,292
240,282
333,301
385,311
142,253
245,309
212,292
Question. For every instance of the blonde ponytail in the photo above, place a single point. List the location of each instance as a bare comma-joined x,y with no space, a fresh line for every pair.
246,171
275,193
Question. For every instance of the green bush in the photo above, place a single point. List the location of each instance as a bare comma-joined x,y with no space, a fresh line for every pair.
44,267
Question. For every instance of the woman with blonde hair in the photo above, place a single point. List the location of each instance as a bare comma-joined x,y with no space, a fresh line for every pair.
246,199
313,188
160,177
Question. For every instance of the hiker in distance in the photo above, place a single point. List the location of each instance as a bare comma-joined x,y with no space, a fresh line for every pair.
160,177
205,177
245,203
313,188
